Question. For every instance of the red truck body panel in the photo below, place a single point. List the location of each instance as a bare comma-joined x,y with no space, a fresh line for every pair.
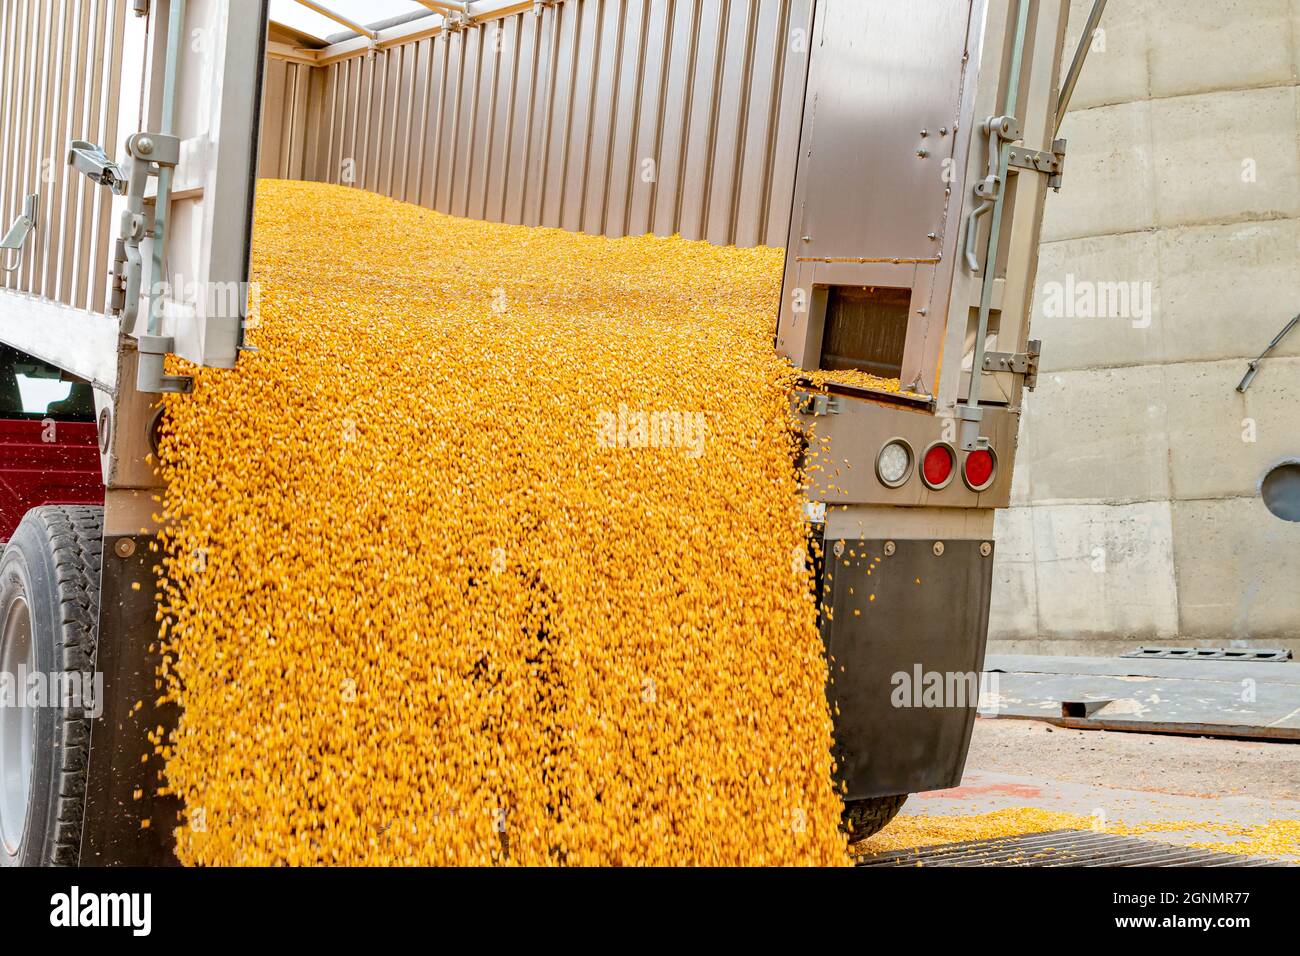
46,462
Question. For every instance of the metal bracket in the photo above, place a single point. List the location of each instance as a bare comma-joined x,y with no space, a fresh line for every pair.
157,148
971,418
1021,363
1253,369
150,377
819,404
19,232
1048,161
117,279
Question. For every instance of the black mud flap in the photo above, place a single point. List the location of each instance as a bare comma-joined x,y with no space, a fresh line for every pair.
127,822
905,625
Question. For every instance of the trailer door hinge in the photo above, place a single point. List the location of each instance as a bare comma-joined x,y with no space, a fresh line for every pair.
1048,161
1020,363
819,404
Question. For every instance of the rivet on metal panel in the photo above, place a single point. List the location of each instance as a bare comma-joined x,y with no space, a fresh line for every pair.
890,548
124,548
839,548
923,153
986,549
938,549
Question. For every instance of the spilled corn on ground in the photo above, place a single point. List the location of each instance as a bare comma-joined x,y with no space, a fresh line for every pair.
490,553
1276,838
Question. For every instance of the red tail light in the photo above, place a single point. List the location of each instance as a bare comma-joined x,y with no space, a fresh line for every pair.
981,468
938,465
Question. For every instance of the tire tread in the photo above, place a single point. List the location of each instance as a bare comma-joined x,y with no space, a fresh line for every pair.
74,537
865,818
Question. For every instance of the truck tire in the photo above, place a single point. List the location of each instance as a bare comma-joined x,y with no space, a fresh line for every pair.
49,624
864,818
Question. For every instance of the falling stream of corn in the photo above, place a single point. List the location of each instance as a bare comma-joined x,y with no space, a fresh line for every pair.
493,553
490,554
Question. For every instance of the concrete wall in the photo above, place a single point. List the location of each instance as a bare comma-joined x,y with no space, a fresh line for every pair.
1137,515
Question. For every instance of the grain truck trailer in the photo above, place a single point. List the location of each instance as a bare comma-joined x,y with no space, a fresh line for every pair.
908,147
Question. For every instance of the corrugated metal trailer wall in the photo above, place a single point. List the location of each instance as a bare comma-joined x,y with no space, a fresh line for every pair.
618,117
60,76
287,95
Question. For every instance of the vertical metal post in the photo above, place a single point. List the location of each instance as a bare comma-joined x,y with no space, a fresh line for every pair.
162,205
971,414
152,345
1076,65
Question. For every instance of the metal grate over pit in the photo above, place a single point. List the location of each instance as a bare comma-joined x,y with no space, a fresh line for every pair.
1061,848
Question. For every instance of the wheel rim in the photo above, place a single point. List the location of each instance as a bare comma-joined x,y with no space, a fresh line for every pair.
17,723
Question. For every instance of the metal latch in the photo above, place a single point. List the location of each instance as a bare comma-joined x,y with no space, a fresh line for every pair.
1048,161
1000,129
152,155
1021,363
18,233
149,152
90,159
819,404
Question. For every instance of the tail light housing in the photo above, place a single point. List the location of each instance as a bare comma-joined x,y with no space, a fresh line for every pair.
938,465
894,463
980,470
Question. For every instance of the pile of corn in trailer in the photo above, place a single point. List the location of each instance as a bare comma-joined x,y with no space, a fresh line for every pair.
493,551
